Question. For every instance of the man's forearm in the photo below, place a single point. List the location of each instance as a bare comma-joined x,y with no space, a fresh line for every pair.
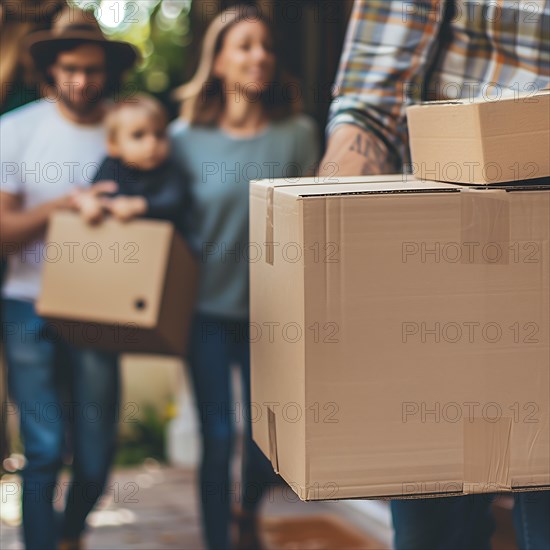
21,226
352,151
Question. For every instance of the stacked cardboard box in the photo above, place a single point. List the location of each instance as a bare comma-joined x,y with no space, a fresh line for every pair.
480,141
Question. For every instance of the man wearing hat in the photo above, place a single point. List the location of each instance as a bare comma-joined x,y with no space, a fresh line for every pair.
49,149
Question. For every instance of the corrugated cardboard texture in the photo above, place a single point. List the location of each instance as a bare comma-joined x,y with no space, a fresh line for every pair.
481,142
133,290
485,217
403,340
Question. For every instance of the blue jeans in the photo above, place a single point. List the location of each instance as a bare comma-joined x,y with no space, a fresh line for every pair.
59,390
215,345
532,520
466,523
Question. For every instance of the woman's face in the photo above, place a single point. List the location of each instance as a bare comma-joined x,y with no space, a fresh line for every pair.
246,60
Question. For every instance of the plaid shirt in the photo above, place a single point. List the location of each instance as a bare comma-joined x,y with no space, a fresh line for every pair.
399,52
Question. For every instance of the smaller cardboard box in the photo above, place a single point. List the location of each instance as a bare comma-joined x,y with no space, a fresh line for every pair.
127,287
479,141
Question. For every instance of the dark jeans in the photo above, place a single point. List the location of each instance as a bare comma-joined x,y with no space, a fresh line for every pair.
466,523
215,345
40,367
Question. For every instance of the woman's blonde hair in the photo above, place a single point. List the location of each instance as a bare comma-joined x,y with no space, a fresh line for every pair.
202,98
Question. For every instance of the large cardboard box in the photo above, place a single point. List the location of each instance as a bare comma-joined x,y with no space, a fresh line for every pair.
400,336
480,141
122,286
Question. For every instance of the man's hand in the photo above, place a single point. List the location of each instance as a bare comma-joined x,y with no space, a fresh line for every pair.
88,201
90,207
125,208
352,151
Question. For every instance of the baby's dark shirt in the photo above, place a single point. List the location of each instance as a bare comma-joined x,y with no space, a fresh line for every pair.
164,188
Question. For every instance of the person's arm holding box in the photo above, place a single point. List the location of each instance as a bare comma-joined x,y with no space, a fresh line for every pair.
19,225
389,44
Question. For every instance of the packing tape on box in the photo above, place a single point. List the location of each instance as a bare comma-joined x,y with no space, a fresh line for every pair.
487,455
272,427
485,226
269,226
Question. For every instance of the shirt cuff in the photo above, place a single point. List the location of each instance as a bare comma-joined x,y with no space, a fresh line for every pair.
347,117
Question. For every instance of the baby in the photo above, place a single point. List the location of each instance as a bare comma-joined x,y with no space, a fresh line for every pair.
148,182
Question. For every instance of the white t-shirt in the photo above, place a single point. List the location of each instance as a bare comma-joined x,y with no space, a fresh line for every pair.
43,155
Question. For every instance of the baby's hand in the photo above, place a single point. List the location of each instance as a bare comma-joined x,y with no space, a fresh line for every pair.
125,208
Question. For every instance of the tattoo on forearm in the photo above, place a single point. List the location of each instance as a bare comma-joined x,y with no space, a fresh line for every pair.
377,159
360,145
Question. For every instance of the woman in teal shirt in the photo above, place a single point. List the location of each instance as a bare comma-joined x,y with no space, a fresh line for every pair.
238,123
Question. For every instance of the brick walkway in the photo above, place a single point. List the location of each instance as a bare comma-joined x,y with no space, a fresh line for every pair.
154,507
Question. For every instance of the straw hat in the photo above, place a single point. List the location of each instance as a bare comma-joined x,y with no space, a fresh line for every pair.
74,26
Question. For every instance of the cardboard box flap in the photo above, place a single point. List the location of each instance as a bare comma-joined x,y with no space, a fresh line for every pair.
329,180
370,185
481,100
315,186
393,183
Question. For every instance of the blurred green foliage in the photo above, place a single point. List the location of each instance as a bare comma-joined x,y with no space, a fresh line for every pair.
159,29
146,439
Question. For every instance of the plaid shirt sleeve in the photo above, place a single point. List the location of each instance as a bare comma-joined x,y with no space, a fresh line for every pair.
389,43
